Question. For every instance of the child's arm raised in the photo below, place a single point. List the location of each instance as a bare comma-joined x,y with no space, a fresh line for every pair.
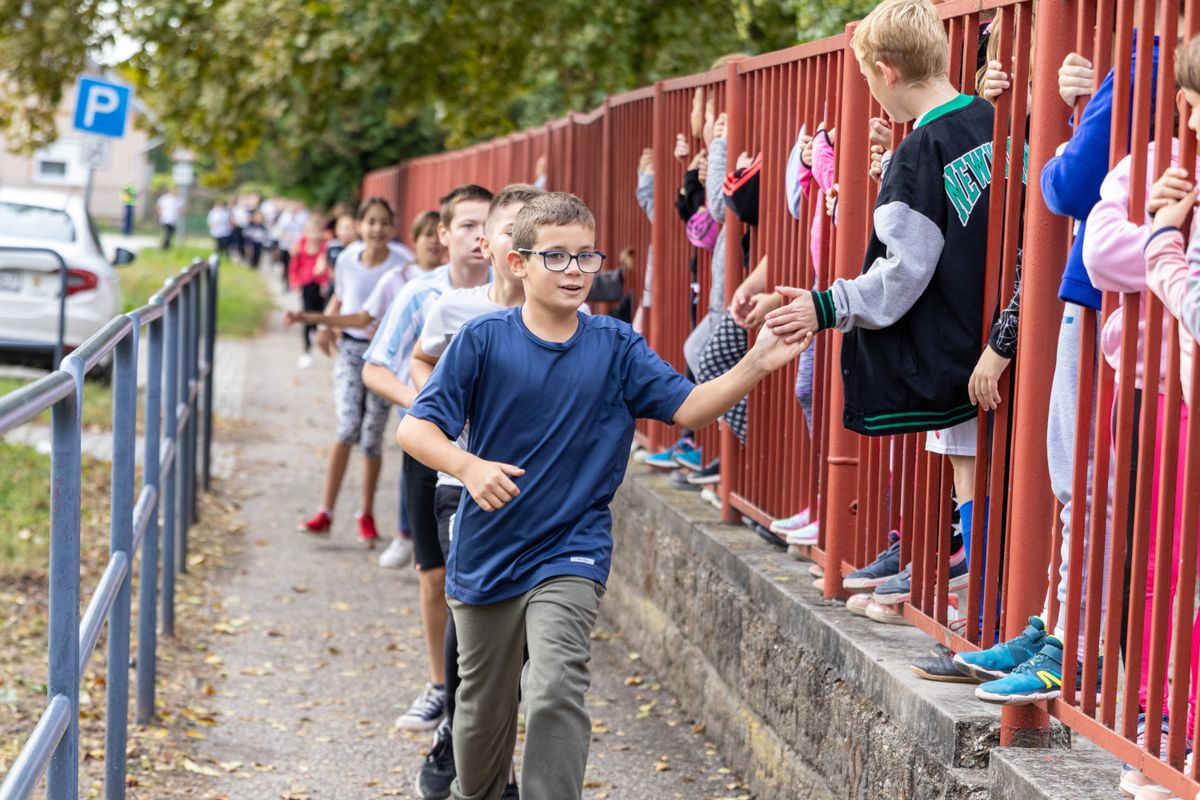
1167,267
1112,245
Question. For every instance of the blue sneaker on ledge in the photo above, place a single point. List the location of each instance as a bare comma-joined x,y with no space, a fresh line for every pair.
1039,678
885,565
688,455
898,588
1000,660
666,459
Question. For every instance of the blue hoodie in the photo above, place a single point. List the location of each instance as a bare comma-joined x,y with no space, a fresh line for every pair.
1071,181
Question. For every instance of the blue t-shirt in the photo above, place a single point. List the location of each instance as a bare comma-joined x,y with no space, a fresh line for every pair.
564,412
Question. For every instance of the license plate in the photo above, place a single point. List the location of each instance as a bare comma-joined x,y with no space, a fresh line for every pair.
10,281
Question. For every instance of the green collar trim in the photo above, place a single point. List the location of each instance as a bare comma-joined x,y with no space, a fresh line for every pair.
962,101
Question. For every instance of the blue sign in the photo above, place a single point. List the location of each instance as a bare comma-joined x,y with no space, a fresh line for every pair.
101,107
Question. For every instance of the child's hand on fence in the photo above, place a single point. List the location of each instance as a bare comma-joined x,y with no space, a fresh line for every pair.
806,144
761,305
1075,78
720,126
710,121
795,320
698,159
702,167
681,148
831,198
743,301
744,160
995,82
879,132
646,162
1171,198
876,169
770,352
697,118
983,387
490,483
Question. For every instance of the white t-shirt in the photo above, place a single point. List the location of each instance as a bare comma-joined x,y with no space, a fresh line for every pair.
447,317
354,283
169,206
219,225
386,290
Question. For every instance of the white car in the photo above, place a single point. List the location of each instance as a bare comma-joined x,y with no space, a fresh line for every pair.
35,225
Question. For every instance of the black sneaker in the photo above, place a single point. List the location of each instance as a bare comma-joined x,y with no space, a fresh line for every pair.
765,534
511,792
437,773
939,666
679,480
707,476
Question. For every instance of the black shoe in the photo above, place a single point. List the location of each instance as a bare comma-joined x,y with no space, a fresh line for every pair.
939,666
766,535
510,793
679,480
707,476
437,773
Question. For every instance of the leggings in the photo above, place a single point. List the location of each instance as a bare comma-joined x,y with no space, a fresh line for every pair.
361,414
312,299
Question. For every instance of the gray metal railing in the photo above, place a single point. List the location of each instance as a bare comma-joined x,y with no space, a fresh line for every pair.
179,324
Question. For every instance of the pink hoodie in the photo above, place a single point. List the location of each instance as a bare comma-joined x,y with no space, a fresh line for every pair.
1168,276
1113,257
823,172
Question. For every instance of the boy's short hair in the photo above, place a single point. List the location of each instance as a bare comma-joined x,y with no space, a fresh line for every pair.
462,194
513,194
907,35
1187,65
424,224
549,210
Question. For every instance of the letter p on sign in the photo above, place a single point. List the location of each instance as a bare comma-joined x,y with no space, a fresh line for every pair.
101,107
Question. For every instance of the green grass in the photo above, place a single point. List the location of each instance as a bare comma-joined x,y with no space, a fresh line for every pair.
97,404
243,300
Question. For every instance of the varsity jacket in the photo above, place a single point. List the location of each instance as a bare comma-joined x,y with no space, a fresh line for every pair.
913,320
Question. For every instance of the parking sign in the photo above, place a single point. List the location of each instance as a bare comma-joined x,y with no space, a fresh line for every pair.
101,107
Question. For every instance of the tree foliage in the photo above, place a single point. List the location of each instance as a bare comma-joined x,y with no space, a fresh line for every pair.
312,93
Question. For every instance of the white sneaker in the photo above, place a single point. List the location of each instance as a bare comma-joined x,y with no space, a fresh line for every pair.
808,535
709,496
304,361
426,711
397,554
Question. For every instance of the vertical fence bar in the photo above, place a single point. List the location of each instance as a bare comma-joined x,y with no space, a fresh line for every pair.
121,532
169,500
147,588
210,342
62,776
183,456
735,106
194,391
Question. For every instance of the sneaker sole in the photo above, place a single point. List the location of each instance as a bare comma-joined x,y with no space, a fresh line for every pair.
662,464
708,480
929,676
301,529
892,599
887,619
419,725
1015,699
981,674
861,584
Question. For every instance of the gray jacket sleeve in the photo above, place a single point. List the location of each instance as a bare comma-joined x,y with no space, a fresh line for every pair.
885,292
645,194
714,188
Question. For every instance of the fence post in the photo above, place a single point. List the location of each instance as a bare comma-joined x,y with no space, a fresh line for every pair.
197,283
735,132
62,776
170,427
210,341
147,588
839,498
1045,243
654,318
121,541
183,441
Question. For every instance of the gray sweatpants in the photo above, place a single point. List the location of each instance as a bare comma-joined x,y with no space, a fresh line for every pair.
555,619
1060,451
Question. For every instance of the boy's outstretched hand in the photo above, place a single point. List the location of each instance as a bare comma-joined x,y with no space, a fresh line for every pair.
490,483
1171,198
796,320
770,352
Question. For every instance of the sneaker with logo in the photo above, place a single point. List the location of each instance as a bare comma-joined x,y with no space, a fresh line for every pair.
437,773
689,456
707,476
806,536
1039,678
367,534
665,459
321,523
793,523
1003,658
885,565
426,711
940,666
398,553
898,589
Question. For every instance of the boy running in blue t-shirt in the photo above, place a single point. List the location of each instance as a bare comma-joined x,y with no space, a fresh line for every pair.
551,396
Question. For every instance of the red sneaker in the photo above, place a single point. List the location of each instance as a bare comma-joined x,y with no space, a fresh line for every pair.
366,529
321,523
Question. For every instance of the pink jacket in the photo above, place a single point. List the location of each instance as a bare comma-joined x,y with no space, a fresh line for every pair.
823,172
1168,277
1113,257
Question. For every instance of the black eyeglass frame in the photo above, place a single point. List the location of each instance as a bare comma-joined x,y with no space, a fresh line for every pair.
570,257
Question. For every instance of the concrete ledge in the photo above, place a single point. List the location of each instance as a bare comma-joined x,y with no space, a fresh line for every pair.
1084,773
811,700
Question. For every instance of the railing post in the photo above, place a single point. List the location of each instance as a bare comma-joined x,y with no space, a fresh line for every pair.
1045,243
194,403
735,107
121,541
838,500
210,341
147,588
62,776
183,441
170,505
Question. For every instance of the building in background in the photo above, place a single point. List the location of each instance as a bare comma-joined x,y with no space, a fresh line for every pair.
62,165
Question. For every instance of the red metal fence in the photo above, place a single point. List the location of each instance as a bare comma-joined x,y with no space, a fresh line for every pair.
863,487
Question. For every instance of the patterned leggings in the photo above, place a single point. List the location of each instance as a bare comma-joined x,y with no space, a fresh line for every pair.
361,414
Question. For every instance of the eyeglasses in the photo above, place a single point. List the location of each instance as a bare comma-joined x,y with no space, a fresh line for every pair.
559,260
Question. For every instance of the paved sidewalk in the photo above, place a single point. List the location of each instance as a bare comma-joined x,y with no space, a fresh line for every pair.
323,648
